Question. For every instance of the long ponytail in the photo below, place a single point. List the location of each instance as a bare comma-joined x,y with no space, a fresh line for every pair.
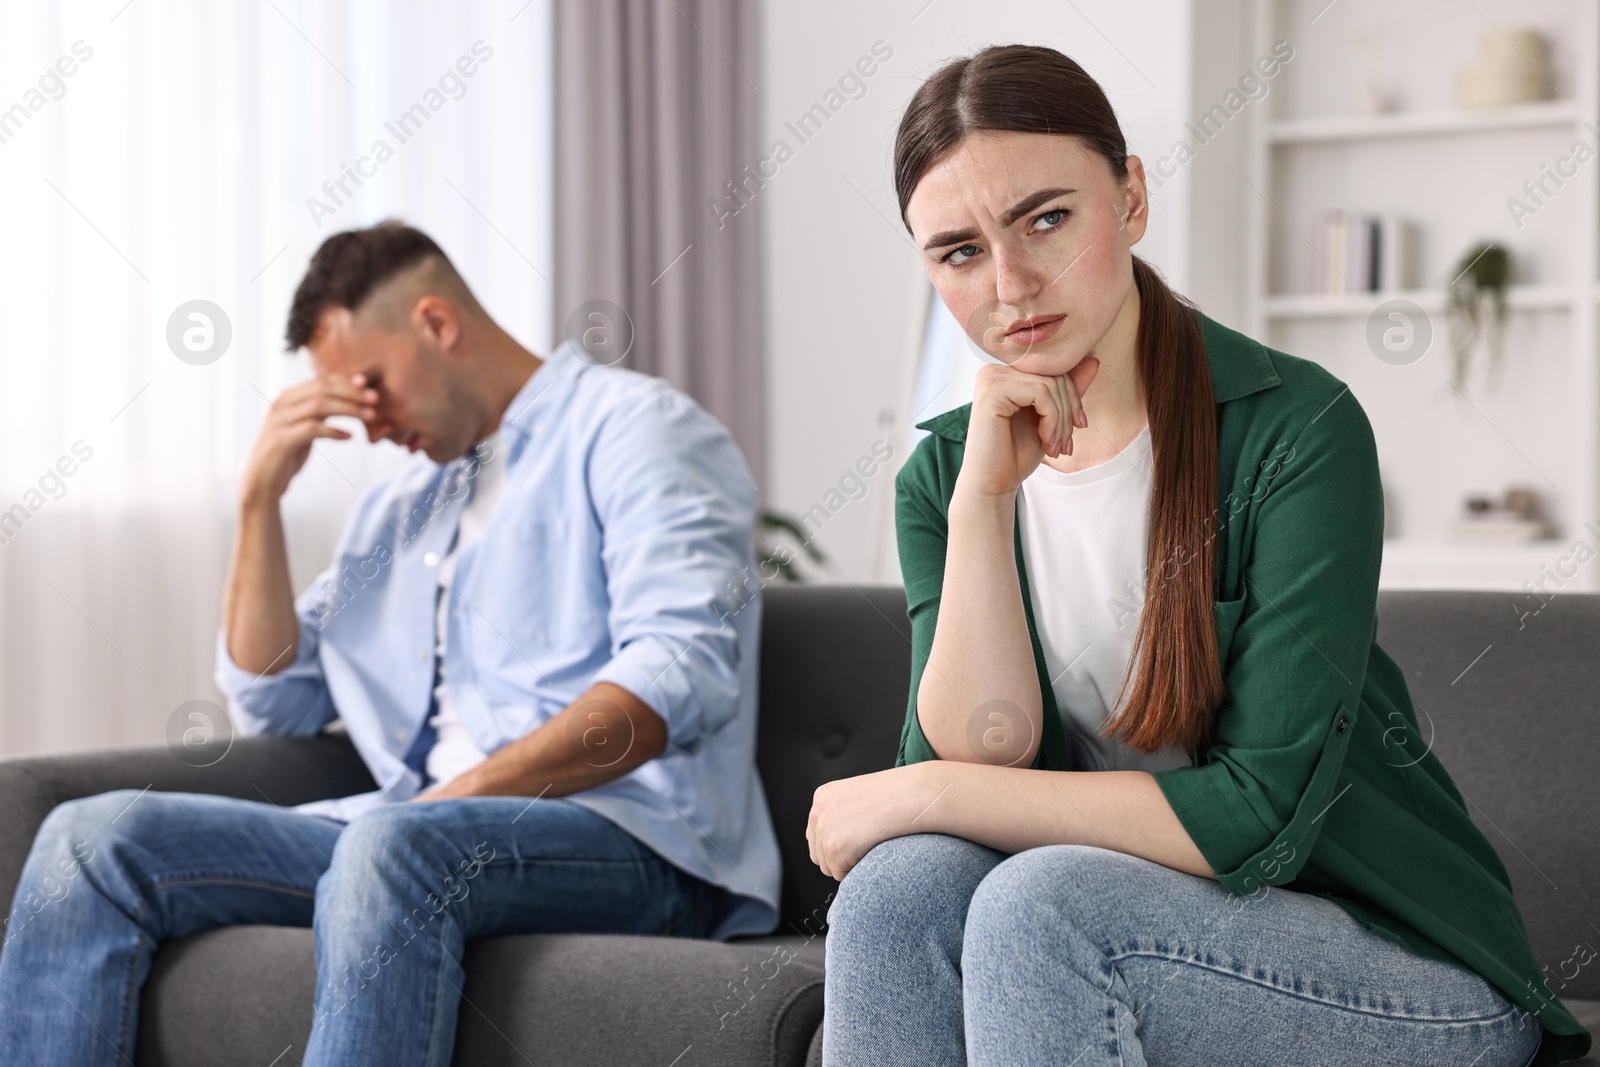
1178,684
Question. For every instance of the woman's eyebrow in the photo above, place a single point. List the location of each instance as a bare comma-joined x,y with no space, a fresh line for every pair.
949,237
1021,208
1029,203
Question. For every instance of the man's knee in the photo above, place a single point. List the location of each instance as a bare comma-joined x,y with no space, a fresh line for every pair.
92,818
77,839
77,831
384,839
72,835
394,854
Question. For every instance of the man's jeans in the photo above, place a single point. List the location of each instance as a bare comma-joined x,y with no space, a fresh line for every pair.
944,951
392,898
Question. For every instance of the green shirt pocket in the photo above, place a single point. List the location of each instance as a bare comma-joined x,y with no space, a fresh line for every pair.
1227,613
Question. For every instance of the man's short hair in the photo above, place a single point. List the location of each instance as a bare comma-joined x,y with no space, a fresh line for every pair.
349,266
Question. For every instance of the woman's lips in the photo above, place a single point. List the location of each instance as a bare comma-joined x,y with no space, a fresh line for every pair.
1035,331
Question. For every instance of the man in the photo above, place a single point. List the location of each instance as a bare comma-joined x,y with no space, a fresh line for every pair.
528,638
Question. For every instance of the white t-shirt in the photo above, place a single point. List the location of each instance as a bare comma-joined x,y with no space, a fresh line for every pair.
454,751
1085,538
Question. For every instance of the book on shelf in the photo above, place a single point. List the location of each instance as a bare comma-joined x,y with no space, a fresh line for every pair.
1364,252
1397,252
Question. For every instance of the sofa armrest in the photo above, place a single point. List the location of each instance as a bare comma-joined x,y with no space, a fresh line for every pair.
282,770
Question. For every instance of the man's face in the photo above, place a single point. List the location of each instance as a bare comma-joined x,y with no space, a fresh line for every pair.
422,405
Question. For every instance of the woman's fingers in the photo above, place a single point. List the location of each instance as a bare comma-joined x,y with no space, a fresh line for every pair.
1066,417
1074,403
1050,429
812,846
1049,402
1082,375
1015,391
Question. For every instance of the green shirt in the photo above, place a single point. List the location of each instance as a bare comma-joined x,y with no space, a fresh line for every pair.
1308,785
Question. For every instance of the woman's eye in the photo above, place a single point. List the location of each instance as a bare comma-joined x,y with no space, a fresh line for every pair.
1050,219
961,255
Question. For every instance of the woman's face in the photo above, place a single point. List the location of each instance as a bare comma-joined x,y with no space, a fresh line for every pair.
1026,237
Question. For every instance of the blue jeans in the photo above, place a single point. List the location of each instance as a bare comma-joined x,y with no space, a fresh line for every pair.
941,951
392,898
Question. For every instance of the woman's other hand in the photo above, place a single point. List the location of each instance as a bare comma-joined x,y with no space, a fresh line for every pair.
850,816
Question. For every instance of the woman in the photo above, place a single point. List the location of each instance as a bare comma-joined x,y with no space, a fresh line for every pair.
1148,549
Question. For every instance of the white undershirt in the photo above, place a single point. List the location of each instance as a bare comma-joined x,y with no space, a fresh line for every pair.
1085,537
454,751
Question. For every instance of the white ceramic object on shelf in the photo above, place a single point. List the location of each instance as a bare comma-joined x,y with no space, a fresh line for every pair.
1511,68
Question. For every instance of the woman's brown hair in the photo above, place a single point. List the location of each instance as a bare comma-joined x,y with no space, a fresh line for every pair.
1028,89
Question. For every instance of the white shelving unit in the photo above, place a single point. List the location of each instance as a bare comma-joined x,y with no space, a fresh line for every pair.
1559,114
1452,172
1277,306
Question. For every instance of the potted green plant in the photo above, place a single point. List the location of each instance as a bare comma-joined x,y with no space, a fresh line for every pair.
776,536
1475,308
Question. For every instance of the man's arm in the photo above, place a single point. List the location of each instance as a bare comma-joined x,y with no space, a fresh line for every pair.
258,613
677,507
258,605
604,734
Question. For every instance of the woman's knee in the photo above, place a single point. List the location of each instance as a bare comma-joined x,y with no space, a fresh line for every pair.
911,884
905,871
1070,880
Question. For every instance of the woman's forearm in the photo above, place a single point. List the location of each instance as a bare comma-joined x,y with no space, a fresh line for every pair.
1017,808
979,700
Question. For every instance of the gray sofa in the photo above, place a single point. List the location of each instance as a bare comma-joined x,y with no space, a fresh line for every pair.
1517,732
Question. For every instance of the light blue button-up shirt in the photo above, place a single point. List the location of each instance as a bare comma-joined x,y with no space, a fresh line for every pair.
621,551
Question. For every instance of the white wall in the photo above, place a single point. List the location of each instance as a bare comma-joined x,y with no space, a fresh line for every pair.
1217,242
841,274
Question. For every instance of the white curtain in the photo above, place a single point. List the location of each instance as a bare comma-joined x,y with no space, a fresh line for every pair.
163,151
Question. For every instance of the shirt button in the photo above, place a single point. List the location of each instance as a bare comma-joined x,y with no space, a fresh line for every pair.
422,655
399,735
431,559
1343,722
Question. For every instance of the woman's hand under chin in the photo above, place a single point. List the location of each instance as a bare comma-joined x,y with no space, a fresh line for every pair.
1017,420
851,816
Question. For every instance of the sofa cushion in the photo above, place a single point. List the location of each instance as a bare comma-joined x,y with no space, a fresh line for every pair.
1586,1012
243,994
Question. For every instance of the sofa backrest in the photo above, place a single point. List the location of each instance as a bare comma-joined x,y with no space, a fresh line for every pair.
1509,691
835,666
1510,703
